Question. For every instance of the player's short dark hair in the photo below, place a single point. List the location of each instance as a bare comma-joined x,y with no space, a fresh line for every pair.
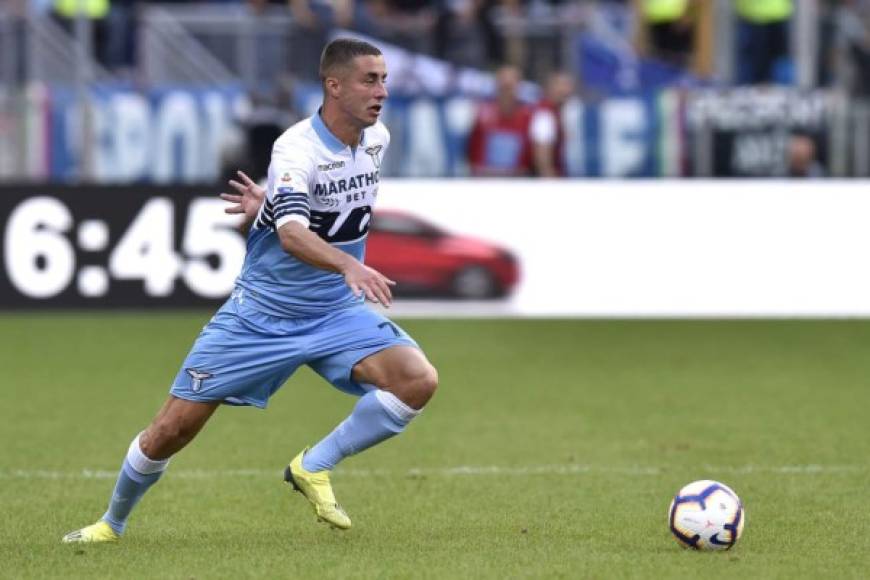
341,51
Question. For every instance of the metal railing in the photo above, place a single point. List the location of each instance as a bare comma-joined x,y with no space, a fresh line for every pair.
53,56
231,43
170,54
260,47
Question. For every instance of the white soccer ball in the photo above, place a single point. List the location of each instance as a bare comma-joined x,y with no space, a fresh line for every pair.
706,515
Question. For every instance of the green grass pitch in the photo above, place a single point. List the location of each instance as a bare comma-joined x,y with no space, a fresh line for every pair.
551,450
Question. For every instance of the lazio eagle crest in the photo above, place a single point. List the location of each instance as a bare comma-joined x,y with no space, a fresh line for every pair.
375,152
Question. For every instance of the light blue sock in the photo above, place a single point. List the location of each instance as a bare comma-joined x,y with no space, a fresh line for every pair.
377,416
138,473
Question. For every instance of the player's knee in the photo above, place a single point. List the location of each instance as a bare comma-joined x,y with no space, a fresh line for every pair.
422,383
429,382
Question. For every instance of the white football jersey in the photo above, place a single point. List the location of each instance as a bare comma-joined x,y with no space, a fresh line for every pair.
327,186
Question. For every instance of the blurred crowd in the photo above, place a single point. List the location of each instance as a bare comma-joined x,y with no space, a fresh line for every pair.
511,136
673,31
488,33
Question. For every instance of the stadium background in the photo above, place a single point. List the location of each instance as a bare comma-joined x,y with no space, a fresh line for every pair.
690,300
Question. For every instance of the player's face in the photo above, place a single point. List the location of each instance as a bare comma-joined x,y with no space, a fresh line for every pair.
364,89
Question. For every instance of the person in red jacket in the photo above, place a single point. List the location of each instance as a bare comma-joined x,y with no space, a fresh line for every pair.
545,130
499,144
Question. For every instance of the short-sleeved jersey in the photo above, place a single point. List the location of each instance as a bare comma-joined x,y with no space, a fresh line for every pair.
327,186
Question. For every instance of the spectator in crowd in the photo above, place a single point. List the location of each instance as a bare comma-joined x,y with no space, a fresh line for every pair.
669,27
261,6
763,41
545,130
538,44
499,143
323,14
120,48
803,157
315,19
405,23
466,34
65,12
113,25
851,45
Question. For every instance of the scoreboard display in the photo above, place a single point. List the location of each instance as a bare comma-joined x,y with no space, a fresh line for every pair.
65,246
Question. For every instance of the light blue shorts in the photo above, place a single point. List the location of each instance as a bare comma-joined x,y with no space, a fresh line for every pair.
243,356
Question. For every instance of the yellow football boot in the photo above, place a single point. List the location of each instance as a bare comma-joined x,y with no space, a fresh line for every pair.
316,488
93,534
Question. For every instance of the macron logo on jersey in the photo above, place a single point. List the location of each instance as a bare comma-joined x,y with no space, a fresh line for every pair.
330,166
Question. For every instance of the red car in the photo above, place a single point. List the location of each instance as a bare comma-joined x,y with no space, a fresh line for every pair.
425,260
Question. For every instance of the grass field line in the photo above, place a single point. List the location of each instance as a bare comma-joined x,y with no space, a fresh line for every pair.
458,471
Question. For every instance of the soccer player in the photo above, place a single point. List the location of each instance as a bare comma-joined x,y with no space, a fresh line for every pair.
299,300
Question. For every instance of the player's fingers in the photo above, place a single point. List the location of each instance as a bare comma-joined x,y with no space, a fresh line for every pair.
238,186
234,210
383,293
231,197
355,289
245,178
371,291
382,277
384,285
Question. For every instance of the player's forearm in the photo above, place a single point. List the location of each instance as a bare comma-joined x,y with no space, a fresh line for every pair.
302,243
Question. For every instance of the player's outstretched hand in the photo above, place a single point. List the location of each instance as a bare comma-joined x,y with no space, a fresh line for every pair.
368,281
248,199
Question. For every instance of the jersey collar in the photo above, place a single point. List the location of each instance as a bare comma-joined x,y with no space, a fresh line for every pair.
329,139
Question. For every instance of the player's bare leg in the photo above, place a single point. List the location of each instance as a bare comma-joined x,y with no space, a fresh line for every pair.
404,382
175,425
403,371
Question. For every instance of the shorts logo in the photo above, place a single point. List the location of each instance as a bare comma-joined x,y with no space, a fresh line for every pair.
285,177
375,152
198,377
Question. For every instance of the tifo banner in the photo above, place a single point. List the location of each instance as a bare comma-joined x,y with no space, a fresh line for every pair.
474,248
631,136
178,135
748,131
165,135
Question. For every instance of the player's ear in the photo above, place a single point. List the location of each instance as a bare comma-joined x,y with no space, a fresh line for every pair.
331,85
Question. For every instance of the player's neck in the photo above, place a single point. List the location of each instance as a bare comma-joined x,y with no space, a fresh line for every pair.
339,125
